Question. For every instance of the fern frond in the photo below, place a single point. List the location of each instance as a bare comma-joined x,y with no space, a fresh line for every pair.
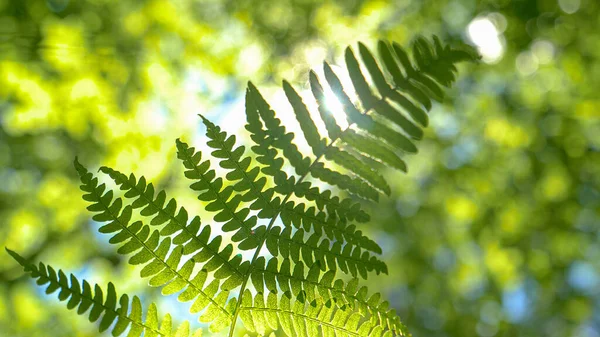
101,307
384,104
349,258
186,234
288,211
345,209
335,229
315,284
359,167
257,107
370,101
307,125
333,129
299,317
387,121
161,259
244,176
211,190
310,234
283,142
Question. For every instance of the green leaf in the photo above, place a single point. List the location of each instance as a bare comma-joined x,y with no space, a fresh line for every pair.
306,123
331,125
102,307
309,231
372,147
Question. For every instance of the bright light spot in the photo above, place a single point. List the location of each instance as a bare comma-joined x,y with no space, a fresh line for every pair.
336,108
487,37
159,76
84,88
26,230
314,53
543,51
231,116
332,103
569,6
250,60
283,110
527,63
151,117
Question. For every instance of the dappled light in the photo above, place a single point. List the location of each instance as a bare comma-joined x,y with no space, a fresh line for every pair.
493,230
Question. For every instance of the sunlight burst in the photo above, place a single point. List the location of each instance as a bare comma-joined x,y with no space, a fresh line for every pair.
484,33
333,104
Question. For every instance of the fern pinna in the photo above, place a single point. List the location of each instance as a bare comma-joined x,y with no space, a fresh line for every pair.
291,287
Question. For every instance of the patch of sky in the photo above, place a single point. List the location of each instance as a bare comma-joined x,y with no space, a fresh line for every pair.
516,303
194,81
387,242
583,276
444,124
589,329
101,239
179,311
229,110
461,153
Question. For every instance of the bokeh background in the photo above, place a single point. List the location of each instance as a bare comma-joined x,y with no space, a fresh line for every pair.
494,232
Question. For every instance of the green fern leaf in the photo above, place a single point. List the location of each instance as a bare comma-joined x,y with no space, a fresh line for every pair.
279,140
101,307
245,178
349,258
333,128
367,145
309,232
211,190
355,165
160,258
282,139
306,123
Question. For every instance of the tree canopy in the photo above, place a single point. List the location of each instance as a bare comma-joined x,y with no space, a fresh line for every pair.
493,232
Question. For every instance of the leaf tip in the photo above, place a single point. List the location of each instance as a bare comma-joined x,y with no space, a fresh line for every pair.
16,256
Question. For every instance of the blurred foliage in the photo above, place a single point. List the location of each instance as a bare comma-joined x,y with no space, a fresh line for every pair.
494,232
